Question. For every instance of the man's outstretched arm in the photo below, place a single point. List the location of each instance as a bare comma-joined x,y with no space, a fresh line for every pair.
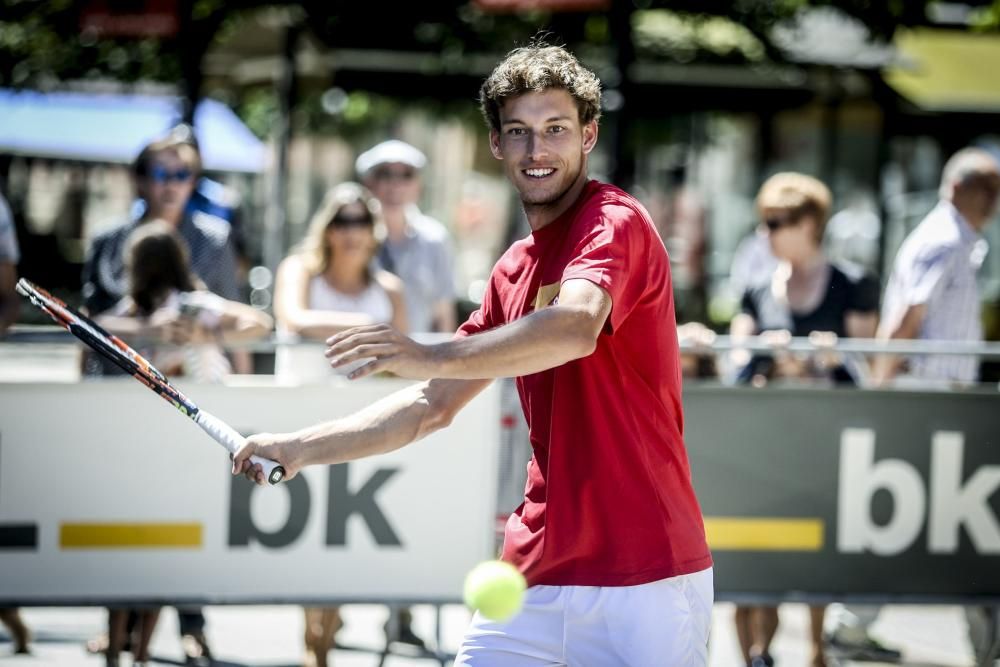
547,338
395,421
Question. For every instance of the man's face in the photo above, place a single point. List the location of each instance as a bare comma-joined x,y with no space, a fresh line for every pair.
985,193
543,144
167,185
394,184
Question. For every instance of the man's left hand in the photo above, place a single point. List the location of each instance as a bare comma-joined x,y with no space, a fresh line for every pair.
388,349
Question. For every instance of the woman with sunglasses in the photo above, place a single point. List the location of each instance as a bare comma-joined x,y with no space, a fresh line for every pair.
805,295
329,283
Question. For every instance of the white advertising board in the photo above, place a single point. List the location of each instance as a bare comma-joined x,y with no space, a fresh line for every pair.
108,494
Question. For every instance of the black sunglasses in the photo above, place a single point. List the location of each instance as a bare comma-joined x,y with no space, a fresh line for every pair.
776,223
164,175
386,174
343,221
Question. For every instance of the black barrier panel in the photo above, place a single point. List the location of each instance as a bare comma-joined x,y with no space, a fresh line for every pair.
848,493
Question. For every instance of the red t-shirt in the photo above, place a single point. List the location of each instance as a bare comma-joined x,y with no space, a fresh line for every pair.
609,500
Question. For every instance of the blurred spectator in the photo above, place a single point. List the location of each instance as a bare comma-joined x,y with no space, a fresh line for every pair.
9,256
416,247
806,295
9,303
933,294
321,624
11,618
135,638
209,197
166,304
330,284
326,286
165,173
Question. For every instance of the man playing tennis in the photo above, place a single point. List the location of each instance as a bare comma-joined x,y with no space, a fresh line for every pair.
610,536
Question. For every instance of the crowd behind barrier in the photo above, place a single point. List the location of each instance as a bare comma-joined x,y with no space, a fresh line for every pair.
853,448
708,344
813,494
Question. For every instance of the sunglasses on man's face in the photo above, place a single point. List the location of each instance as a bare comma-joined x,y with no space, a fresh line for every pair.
774,223
163,175
340,221
389,174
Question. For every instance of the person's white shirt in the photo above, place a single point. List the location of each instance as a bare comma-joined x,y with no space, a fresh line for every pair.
937,266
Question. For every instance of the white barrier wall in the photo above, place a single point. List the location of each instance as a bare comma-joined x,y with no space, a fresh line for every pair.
107,493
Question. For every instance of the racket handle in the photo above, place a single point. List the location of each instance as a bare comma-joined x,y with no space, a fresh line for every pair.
229,438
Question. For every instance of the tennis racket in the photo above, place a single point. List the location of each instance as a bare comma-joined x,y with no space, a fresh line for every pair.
133,363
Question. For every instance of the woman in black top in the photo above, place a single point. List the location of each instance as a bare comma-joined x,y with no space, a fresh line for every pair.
806,295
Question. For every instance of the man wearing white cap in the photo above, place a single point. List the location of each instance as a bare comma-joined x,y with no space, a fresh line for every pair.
416,247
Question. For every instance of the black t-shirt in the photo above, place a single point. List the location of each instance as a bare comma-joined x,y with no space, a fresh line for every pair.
849,290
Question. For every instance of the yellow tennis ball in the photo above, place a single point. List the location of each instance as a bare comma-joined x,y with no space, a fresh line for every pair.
495,589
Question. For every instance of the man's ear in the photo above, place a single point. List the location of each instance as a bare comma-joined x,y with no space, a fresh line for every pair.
495,144
589,136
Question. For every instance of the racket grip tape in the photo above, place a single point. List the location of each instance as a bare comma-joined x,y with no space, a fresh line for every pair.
229,438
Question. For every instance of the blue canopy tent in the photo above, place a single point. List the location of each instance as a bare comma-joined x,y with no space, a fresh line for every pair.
113,128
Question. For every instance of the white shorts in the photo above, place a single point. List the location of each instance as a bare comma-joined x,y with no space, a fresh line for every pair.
663,623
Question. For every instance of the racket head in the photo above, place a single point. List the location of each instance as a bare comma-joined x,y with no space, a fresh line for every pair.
106,344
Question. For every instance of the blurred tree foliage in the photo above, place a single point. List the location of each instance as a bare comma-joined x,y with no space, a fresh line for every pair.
41,43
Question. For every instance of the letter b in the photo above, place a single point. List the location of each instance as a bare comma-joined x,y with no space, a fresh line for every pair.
860,478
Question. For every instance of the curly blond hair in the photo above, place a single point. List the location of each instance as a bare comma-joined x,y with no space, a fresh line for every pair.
536,68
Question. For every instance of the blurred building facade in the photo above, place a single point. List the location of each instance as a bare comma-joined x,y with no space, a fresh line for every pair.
700,108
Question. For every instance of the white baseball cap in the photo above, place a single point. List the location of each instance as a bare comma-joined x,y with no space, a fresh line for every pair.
390,152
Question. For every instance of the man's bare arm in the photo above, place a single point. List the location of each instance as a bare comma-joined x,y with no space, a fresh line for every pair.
393,422
547,338
886,366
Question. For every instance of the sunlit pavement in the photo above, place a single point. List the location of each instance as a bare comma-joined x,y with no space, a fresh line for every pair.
271,636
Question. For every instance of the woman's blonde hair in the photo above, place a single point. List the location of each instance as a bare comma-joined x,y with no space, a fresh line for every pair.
314,250
797,195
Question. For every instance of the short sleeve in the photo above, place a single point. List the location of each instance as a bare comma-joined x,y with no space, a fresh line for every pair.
485,318
926,276
612,254
864,295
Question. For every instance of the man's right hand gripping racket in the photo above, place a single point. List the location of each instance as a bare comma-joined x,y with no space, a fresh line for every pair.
114,349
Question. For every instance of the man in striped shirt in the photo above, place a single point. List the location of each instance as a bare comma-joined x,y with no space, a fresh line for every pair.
932,292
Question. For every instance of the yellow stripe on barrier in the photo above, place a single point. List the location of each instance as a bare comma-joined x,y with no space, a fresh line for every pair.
764,534
129,535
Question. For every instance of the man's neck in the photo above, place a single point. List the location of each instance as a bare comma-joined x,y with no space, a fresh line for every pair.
395,222
540,215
